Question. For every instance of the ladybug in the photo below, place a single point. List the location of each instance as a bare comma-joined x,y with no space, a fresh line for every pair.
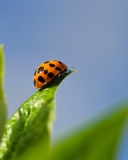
47,71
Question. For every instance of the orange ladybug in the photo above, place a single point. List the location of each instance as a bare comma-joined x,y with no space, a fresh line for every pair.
47,71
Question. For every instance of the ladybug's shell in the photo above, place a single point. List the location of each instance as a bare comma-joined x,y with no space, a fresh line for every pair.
47,71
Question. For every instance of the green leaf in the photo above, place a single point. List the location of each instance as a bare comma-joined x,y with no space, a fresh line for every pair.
98,141
28,131
2,96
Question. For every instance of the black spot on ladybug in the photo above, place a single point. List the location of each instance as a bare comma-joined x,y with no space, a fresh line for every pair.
41,79
60,62
50,75
58,69
51,65
40,69
46,62
35,73
45,71
34,82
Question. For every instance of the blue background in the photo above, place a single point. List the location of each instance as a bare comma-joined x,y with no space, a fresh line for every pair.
89,35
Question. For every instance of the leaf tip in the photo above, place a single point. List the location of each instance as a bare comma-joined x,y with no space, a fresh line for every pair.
1,46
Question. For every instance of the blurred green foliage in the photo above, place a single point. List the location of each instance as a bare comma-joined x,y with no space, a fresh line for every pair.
97,141
2,97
